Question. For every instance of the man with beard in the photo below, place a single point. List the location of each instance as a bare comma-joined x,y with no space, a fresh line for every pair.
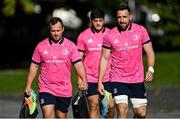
55,55
89,44
125,44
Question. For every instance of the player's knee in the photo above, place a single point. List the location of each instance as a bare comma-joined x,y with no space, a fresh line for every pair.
48,115
139,106
122,109
122,104
141,114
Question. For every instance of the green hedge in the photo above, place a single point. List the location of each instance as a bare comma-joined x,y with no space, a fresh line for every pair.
167,74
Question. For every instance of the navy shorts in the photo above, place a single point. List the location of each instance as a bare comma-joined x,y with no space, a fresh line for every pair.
132,90
61,103
92,88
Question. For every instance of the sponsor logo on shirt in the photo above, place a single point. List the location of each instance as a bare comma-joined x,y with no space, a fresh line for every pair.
128,47
90,40
116,41
99,48
55,61
95,49
45,52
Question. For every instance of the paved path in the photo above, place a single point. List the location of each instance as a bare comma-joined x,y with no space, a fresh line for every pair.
163,103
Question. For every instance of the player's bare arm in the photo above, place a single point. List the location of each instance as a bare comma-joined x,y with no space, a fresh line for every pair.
150,61
82,81
30,78
102,68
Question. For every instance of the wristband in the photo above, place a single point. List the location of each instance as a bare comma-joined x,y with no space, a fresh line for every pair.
151,69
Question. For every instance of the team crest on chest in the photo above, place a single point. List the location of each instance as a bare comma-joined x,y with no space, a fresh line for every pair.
66,52
136,37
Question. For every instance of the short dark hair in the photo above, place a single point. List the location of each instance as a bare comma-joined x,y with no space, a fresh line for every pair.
97,13
124,6
54,20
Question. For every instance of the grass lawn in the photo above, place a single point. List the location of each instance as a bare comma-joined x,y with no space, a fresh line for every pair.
167,74
13,80
167,70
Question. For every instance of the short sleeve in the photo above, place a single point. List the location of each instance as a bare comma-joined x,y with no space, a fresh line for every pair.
145,36
80,43
36,57
75,56
106,42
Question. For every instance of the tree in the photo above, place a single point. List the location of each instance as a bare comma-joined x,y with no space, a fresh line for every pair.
9,6
168,11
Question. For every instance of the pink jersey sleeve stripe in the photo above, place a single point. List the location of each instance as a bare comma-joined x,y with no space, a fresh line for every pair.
77,61
106,47
38,63
81,50
147,41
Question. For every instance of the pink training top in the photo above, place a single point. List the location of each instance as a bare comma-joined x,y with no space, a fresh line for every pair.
126,52
56,61
90,42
